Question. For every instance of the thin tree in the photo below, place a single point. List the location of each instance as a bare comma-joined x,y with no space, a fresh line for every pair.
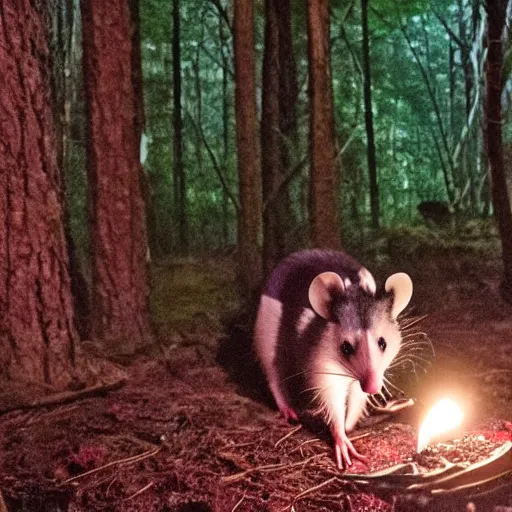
117,223
368,118
63,90
270,139
324,207
180,187
249,176
225,126
496,15
155,248
37,330
288,91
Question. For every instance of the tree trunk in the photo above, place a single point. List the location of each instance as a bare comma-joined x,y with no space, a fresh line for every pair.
117,224
63,23
37,332
180,187
368,118
324,206
270,138
140,122
225,130
288,93
496,11
249,175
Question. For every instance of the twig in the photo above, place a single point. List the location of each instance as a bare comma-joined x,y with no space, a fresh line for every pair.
199,130
140,491
360,436
223,14
65,397
293,431
308,441
315,488
239,502
128,460
268,468
285,180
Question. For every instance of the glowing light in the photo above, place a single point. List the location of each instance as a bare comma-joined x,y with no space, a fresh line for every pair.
445,416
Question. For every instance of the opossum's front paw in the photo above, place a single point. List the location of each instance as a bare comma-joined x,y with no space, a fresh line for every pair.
288,414
343,449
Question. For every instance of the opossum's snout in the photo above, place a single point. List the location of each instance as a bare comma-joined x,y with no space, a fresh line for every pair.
371,383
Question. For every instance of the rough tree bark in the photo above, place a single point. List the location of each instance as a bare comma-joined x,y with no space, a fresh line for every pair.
37,332
117,224
324,207
368,118
180,187
496,13
249,175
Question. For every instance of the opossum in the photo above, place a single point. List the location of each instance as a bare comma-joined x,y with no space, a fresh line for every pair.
324,338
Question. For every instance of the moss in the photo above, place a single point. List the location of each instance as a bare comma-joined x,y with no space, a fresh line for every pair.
188,295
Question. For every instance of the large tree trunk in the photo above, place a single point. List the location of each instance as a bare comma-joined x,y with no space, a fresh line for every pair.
496,12
249,175
368,118
37,332
180,188
324,207
118,236
270,138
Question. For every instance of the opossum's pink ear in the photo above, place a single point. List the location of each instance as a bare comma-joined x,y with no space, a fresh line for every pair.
320,292
400,285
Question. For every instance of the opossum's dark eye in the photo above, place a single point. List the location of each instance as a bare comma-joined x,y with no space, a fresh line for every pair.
382,343
347,348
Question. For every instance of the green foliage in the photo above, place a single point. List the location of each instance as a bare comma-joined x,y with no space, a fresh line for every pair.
419,105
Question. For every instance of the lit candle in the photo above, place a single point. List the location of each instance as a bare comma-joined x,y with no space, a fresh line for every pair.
446,415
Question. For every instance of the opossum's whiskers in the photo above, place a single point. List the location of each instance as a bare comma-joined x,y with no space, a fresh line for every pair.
388,384
407,323
294,375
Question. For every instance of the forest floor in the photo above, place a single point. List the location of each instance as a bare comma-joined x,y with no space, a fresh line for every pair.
193,430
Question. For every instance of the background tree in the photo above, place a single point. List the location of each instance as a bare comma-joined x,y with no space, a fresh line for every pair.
496,16
368,117
37,331
278,132
118,239
64,87
270,141
249,176
179,182
324,205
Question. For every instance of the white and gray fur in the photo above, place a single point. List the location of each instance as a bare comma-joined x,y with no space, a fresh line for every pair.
299,345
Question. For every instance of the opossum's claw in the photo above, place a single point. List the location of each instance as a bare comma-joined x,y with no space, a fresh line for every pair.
343,449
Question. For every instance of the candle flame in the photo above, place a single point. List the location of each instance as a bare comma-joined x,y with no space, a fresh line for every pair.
446,415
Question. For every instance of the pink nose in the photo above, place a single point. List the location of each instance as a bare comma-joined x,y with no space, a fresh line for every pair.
371,384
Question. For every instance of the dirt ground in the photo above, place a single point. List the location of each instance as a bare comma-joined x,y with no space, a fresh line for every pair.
193,430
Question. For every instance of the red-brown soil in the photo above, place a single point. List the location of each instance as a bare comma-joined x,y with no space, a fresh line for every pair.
192,429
